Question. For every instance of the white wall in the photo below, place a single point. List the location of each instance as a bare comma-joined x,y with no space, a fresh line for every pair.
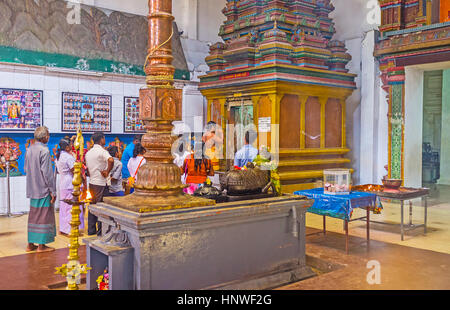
353,18
355,28
413,126
445,138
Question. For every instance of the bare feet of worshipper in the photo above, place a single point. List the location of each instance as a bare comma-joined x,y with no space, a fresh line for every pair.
31,247
44,248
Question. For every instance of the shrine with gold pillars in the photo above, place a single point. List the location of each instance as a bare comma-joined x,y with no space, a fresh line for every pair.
278,65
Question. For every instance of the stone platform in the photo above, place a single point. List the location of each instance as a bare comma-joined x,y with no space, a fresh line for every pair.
253,244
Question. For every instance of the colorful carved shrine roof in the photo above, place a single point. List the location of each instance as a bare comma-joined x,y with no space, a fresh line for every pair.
412,34
286,40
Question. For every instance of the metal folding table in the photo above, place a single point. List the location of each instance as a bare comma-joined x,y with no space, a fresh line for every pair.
341,207
402,195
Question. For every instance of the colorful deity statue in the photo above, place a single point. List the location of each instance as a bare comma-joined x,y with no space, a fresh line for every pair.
9,152
120,145
103,281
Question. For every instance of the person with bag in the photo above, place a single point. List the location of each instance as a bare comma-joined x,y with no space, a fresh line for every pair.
196,168
134,164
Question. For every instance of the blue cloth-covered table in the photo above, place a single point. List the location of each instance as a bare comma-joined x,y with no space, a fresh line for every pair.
342,206
338,206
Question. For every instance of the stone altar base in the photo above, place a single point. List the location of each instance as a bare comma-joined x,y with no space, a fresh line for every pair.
254,244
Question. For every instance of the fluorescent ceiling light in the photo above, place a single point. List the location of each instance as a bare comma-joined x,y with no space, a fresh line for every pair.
73,71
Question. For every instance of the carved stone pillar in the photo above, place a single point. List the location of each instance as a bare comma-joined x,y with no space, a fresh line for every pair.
158,186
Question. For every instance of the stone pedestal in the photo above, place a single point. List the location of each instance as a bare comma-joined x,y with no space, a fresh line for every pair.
254,244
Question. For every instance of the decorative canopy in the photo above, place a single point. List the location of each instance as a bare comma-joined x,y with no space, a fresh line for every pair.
293,36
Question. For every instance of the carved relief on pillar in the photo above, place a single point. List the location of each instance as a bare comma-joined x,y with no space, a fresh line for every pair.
160,107
161,104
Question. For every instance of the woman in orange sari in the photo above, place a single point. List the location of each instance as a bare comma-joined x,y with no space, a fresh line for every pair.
197,167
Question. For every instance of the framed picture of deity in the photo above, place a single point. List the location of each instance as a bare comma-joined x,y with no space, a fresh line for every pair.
21,109
132,123
92,112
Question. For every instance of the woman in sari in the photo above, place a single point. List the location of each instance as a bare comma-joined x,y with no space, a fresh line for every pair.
197,167
64,163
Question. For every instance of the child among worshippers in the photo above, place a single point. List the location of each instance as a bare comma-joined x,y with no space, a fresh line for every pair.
115,187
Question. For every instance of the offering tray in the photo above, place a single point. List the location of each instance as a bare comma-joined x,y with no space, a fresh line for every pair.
403,193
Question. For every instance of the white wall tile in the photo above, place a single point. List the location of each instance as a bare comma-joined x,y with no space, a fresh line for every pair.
117,101
117,126
117,88
130,89
117,114
193,105
6,79
37,81
105,87
53,124
90,86
21,80
52,98
51,82
68,84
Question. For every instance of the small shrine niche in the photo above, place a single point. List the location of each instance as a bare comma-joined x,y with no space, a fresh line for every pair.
279,64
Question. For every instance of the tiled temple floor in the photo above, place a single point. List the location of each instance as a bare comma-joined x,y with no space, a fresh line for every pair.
419,262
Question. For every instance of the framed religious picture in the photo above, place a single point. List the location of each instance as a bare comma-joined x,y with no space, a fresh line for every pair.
21,109
92,112
132,123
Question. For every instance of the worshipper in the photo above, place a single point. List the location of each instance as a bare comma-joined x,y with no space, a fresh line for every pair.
197,167
248,152
213,139
41,190
134,164
65,161
115,187
127,154
181,152
99,165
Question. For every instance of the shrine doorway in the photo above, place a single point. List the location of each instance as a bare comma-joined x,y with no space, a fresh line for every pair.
432,126
426,151
240,119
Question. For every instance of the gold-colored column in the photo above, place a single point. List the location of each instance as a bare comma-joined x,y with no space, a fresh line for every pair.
275,127
158,185
323,102
73,269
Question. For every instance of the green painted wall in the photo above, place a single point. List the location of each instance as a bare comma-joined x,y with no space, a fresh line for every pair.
29,57
445,138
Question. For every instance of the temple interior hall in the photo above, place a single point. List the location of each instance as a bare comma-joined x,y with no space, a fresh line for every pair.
346,104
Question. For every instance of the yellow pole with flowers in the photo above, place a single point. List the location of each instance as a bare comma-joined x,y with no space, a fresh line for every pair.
73,269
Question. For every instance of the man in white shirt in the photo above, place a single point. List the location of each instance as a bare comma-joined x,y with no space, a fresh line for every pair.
99,165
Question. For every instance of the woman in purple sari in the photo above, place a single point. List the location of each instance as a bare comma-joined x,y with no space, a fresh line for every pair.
64,163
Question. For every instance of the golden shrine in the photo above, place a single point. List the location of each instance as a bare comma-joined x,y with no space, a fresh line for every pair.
280,72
